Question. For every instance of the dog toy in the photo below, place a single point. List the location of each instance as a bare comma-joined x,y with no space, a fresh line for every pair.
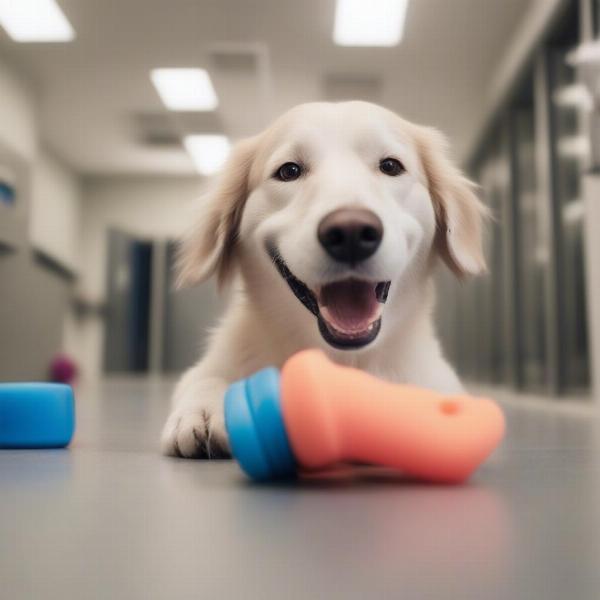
63,369
36,415
315,414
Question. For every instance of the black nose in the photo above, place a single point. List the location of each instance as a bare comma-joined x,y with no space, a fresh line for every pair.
350,234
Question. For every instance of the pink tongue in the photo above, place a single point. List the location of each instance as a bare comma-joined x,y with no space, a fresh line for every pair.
349,305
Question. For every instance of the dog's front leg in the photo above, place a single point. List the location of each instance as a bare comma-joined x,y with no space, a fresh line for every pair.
196,425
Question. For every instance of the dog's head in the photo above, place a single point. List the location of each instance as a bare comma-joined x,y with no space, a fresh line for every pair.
340,205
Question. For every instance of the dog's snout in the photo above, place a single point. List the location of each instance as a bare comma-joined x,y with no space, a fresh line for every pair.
350,234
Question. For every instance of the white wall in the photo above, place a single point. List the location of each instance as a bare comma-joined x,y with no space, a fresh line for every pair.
55,201
55,210
18,125
147,207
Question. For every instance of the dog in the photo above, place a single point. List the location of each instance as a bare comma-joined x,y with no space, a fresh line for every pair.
326,229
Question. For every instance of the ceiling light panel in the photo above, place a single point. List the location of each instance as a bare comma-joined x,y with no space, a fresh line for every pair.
35,21
185,89
369,22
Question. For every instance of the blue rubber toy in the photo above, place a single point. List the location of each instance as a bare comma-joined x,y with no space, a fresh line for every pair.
255,427
36,415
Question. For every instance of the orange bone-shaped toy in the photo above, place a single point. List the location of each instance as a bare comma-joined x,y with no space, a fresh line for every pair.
315,414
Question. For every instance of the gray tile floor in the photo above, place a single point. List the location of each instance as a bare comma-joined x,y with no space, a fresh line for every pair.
111,518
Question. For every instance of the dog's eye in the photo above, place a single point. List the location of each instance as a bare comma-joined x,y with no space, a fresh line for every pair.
391,167
288,171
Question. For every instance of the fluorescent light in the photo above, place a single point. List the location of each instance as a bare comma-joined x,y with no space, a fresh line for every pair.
575,147
575,95
35,21
369,22
209,152
185,89
587,53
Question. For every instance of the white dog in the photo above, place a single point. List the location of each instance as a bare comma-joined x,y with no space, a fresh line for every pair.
328,226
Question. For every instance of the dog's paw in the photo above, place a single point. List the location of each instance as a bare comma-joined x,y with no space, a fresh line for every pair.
195,435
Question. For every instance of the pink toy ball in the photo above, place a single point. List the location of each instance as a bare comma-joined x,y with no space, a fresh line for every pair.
63,369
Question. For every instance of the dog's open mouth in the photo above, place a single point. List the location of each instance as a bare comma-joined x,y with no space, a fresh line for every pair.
348,311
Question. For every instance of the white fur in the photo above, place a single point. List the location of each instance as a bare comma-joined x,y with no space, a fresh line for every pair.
428,211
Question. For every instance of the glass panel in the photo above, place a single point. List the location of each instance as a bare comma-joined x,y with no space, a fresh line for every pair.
484,307
495,188
533,259
571,154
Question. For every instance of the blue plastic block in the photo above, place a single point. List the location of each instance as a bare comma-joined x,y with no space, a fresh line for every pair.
36,415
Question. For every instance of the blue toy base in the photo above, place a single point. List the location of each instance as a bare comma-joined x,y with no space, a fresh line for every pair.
255,426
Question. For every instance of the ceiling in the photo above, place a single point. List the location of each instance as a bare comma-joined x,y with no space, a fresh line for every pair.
101,114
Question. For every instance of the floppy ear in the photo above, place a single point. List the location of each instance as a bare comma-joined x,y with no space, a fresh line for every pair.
458,212
209,246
